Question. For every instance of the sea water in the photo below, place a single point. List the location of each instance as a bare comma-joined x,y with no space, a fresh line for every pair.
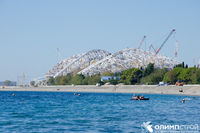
92,112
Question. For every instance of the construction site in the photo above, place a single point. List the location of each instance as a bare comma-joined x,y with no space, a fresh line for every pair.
99,61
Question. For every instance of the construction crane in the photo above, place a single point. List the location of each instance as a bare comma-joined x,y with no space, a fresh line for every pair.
165,41
151,46
141,42
176,51
59,54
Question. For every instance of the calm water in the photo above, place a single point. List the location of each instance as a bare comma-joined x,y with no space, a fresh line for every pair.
90,112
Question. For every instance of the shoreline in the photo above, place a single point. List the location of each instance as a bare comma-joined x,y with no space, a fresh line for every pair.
188,90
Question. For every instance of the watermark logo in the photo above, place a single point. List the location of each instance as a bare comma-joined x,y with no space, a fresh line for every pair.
147,127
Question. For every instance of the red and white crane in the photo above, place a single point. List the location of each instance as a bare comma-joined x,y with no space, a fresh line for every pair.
151,46
141,42
165,41
176,51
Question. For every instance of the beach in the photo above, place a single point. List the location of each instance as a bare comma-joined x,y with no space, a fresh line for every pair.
190,90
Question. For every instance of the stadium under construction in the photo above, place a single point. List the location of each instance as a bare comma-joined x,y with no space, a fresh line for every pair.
100,61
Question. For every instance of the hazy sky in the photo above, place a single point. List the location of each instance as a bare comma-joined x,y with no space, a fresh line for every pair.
31,31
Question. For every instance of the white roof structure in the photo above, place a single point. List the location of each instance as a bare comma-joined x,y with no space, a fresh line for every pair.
77,62
99,61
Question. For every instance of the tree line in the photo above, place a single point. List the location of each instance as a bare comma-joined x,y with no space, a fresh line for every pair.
134,76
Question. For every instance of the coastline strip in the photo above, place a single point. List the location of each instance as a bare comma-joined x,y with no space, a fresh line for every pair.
190,90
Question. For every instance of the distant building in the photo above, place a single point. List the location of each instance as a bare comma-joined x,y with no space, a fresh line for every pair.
11,83
106,78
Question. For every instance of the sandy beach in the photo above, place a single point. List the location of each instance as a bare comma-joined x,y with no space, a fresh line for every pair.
190,90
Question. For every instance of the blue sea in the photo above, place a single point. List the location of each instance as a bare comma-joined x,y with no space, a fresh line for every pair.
50,112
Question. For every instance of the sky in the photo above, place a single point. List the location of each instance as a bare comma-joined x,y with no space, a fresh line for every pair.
31,31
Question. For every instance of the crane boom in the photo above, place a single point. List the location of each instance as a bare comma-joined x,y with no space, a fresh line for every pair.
151,46
165,41
176,50
141,42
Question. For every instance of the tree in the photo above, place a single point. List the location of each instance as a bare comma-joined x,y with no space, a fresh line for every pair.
197,76
107,73
63,80
51,81
66,80
114,81
86,80
155,77
184,75
178,71
170,77
194,75
94,79
149,69
57,80
77,79
32,83
183,65
134,76
131,76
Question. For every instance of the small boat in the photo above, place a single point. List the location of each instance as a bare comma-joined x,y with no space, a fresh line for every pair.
139,98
